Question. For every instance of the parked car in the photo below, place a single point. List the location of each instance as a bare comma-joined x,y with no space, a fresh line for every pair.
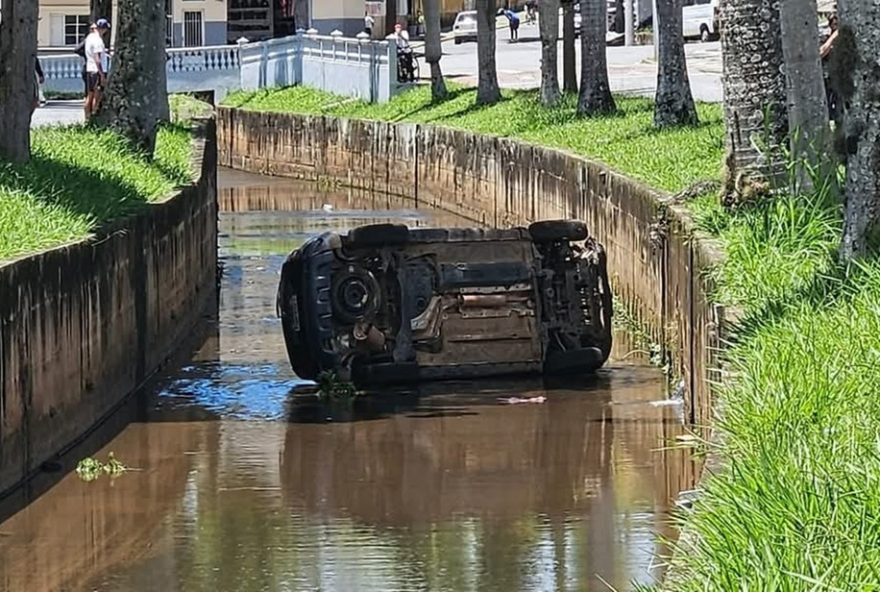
465,26
386,304
699,19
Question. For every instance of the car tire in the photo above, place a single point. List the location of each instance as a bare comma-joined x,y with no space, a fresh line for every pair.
458,41
575,361
548,231
385,373
379,235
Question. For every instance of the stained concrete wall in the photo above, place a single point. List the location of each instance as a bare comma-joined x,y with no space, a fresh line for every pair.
656,260
82,326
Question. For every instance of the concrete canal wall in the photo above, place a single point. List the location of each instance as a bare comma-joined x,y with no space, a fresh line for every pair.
82,326
656,258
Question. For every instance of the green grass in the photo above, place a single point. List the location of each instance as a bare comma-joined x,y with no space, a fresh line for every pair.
798,505
79,178
670,160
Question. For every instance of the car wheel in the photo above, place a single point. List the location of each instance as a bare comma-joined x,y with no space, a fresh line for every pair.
704,34
384,373
356,295
548,231
458,41
575,361
379,235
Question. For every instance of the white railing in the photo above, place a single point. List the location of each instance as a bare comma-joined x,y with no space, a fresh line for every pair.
351,67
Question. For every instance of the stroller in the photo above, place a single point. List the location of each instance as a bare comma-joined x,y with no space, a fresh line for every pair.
407,66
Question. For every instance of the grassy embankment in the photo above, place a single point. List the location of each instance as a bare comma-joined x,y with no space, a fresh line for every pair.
79,178
797,506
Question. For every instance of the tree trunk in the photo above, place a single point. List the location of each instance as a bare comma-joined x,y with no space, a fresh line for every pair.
673,103
569,66
548,24
137,95
595,92
487,87
807,104
754,95
433,48
619,24
18,52
390,16
102,9
301,14
857,53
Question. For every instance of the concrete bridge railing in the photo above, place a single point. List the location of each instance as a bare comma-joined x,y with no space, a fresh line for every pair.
363,69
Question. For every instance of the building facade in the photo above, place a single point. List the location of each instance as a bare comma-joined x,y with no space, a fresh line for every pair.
63,23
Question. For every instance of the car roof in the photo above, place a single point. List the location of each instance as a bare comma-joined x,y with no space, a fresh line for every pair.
466,13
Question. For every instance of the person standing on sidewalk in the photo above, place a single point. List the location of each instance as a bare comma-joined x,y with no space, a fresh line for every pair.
368,24
96,66
514,23
825,52
40,79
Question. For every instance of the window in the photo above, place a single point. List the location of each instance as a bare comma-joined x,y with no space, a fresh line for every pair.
76,27
192,29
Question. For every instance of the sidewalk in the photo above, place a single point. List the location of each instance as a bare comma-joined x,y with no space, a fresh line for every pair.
59,112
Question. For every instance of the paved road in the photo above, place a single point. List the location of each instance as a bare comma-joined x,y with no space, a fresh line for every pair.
631,69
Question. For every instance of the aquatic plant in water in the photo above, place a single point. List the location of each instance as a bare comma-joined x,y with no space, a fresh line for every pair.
89,469
331,386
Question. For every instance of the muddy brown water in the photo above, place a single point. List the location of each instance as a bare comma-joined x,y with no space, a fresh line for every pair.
243,484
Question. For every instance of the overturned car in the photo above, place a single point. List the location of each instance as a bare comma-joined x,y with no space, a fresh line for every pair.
386,304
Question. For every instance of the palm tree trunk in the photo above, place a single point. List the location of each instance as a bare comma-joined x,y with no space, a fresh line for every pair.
569,65
857,46
434,49
807,104
487,86
137,95
673,103
548,22
18,50
754,94
595,92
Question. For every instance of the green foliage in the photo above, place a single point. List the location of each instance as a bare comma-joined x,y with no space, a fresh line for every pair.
90,469
797,505
668,159
185,108
80,177
331,386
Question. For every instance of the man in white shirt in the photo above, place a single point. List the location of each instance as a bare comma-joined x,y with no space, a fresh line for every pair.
368,24
96,66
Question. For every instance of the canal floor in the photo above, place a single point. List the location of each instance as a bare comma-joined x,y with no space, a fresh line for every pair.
242,483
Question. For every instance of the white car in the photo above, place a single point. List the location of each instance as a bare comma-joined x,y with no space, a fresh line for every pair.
465,26
699,19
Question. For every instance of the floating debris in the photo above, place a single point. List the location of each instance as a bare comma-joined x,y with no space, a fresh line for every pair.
522,400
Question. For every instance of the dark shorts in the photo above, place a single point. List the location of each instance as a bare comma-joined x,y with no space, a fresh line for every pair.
93,81
514,25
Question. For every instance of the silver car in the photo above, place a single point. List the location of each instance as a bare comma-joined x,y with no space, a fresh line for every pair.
465,26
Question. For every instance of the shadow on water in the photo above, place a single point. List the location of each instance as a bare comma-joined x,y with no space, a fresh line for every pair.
244,482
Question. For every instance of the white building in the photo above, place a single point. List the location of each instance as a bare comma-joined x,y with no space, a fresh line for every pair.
63,23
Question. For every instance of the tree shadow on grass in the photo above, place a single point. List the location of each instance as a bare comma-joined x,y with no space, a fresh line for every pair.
96,194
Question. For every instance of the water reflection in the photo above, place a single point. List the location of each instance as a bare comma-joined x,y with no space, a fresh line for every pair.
247,484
